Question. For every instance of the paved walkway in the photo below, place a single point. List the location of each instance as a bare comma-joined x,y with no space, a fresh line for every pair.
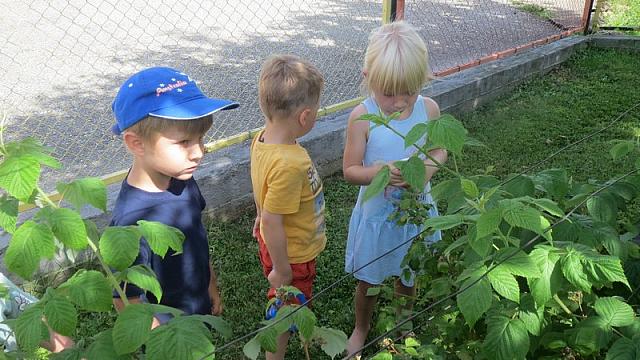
63,60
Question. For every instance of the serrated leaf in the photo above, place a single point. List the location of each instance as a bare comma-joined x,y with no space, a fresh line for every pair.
8,213
29,328
415,134
531,315
621,149
504,283
520,215
488,222
549,283
573,270
377,119
385,355
132,328
519,263
87,191
554,181
333,342
448,133
603,268
614,311
32,148
144,278
61,315
68,354
30,243
185,339
378,183
161,237
217,323
481,245
591,335
602,208
549,206
507,339
469,188
19,176
413,172
267,339
519,185
475,300
68,227
252,348
444,222
305,320
119,246
623,349
102,347
90,290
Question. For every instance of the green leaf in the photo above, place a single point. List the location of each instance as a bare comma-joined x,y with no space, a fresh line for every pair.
519,185
378,183
61,315
447,132
144,278
119,246
519,264
531,315
90,290
413,172
252,348
267,339
554,181
30,329
471,141
481,245
161,237
623,349
217,323
385,355
444,222
88,191
504,283
305,320
621,149
550,281
183,339
488,222
604,268
19,176
415,134
469,188
373,291
590,335
602,207
132,328
30,243
574,271
8,213
30,147
614,311
507,339
333,342
377,119
68,227
476,300
520,215
102,347
549,206
68,354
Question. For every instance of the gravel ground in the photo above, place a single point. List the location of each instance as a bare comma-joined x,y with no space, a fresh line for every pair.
63,60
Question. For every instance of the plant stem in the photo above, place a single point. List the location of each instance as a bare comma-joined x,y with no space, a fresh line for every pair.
563,306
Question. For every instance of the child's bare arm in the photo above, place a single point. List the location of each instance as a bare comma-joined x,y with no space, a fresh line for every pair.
276,242
354,148
214,293
256,223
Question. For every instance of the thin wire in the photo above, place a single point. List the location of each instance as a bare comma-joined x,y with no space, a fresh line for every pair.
463,289
335,283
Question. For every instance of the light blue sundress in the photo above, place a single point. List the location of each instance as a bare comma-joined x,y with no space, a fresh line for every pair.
371,233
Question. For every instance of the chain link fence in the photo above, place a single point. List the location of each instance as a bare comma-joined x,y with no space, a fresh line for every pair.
63,60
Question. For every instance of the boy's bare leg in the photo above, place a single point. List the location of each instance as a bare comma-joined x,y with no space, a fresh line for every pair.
282,342
364,311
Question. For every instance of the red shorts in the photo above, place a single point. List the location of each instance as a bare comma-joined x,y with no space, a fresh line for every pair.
303,274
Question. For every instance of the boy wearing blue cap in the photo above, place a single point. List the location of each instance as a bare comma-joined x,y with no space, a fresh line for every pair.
163,116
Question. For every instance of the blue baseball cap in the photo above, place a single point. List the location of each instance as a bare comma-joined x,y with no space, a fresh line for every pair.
165,93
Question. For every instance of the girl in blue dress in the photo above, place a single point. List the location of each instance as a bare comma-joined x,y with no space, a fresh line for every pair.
395,70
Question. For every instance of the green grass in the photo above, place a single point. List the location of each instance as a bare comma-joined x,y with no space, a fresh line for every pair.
533,121
622,13
534,9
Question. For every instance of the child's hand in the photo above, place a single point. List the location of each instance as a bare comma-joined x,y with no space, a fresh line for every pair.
396,177
280,278
256,227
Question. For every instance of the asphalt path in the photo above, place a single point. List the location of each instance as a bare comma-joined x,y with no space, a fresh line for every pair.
63,60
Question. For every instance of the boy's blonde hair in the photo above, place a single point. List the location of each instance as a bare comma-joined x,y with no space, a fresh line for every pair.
396,61
151,126
286,83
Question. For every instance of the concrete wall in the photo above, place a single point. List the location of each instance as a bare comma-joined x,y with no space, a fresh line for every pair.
224,176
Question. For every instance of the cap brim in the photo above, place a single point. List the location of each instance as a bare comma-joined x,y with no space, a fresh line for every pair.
196,108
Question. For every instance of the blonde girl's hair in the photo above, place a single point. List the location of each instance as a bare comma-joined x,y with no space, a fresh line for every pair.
396,61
